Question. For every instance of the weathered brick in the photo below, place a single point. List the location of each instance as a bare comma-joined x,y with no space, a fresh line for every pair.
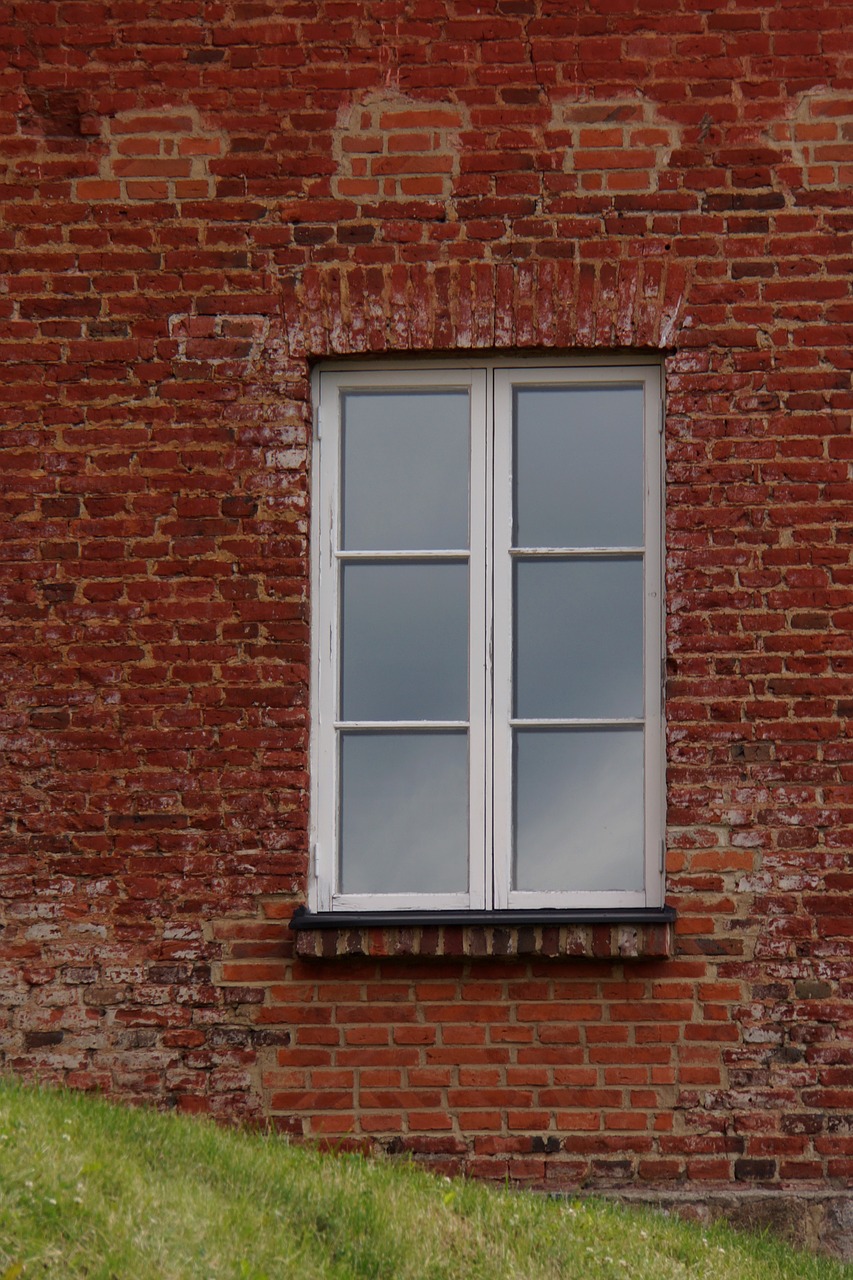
181,247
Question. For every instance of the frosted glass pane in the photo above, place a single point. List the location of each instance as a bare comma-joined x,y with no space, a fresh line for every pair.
405,641
578,468
578,638
578,809
404,812
405,470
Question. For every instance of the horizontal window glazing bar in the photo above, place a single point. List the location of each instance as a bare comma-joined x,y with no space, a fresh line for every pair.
368,725
575,722
565,552
402,555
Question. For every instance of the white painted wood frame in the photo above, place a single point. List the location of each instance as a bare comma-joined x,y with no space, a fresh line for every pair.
489,384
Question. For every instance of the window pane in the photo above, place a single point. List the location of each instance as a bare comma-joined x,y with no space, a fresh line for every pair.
405,641
578,649
578,466
404,812
578,809
405,470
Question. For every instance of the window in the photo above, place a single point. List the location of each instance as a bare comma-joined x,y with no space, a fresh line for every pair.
487,637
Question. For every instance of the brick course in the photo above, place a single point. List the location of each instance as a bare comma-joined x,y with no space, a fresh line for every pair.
200,201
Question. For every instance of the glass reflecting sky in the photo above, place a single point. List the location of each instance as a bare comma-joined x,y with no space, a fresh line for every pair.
578,809
405,470
404,812
405,641
578,466
578,638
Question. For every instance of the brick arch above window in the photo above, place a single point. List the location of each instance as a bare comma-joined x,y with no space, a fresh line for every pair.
626,302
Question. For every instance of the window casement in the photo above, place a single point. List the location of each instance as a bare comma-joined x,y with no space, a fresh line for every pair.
486,729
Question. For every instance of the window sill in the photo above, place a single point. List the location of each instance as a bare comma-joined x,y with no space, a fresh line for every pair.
644,933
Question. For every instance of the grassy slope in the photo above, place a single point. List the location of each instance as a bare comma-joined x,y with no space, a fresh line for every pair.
96,1191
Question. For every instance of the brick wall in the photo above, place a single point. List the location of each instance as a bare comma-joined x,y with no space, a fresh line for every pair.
201,199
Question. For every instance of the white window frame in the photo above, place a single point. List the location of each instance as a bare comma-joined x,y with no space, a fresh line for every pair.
490,383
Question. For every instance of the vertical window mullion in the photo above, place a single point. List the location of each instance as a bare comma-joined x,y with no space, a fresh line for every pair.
502,637
478,656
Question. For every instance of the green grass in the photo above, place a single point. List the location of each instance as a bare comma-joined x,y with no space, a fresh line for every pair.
92,1190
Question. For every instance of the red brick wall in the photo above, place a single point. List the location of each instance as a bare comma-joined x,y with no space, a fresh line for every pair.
202,198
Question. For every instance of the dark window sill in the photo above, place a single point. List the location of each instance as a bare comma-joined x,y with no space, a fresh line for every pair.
644,933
